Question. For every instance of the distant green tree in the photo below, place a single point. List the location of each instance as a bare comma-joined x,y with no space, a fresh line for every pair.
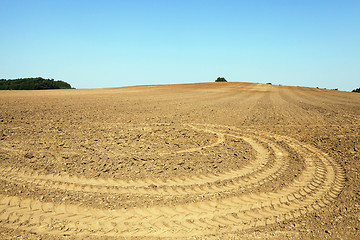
220,79
37,83
356,90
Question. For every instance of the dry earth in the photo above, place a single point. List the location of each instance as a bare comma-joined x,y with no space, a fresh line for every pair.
211,160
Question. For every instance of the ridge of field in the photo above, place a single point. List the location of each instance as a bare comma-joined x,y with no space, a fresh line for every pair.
208,160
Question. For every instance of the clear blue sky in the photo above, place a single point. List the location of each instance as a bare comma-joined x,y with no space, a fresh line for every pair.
107,43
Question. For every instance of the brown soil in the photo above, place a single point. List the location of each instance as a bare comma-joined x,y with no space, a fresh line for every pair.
197,161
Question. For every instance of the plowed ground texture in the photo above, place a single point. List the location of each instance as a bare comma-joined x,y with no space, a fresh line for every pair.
192,161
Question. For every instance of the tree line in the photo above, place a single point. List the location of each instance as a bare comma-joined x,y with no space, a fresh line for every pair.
37,83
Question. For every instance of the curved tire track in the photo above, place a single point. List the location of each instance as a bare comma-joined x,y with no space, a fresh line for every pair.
316,186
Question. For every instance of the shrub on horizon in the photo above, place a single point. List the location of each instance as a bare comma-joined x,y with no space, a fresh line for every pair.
220,79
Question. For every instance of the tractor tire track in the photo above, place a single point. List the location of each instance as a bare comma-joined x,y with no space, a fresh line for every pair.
316,186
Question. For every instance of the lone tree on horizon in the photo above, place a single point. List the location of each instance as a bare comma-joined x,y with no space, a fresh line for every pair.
220,79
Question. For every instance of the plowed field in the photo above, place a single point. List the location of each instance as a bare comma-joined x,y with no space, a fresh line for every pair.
198,161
